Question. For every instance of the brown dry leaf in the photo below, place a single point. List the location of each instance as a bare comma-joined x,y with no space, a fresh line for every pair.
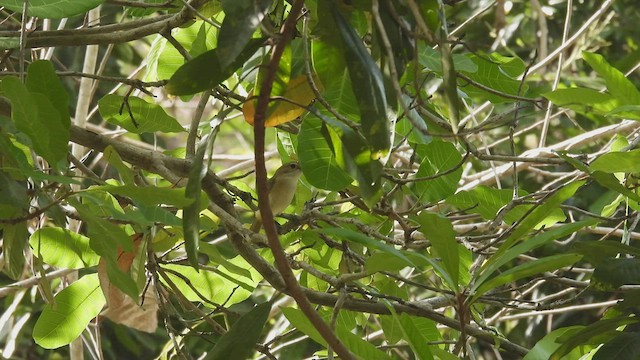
298,92
121,308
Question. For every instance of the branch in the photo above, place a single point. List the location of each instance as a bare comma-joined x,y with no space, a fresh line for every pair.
293,288
108,34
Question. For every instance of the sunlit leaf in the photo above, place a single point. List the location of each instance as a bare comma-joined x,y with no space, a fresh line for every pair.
137,115
52,9
205,72
62,322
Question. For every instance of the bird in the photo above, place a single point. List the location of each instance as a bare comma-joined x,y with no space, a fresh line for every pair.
281,187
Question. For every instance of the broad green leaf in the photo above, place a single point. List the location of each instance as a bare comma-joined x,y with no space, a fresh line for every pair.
617,84
609,180
126,174
240,341
430,59
149,195
42,78
242,18
612,162
602,330
363,239
535,267
353,342
147,117
488,201
438,157
62,248
368,87
536,216
52,9
495,262
548,344
354,155
62,322
299,321
615,272
598,252
13,194
360,347
439,231
583,100
15,239
625,346
414,334
34,115
498,73
107,239
205,72
317,160
332,71
218,287
414,337
380,261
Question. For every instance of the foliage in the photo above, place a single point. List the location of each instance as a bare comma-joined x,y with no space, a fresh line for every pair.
470,179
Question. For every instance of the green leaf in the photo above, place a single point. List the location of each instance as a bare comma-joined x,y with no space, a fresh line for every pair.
361,348
598,252
601,330
317,160
495,262
147,117
13,194
37,117
439,231
583,100
15,240
612,162
613,273
549,343
609,181
430,59
414,337
354,155
497,73
368,87
149,195
242,18
299,321
625,346
205,72
240,341
62,248
218,287
42,78
617,84
363,239
353,342
439,157
536,216
62,322
52,9
538,266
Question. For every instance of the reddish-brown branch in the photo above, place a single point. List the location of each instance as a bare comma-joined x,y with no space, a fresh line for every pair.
292,286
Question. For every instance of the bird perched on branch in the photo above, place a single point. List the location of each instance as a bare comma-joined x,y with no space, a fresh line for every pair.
282,186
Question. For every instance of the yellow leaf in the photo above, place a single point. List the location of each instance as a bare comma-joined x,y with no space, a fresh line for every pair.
298,93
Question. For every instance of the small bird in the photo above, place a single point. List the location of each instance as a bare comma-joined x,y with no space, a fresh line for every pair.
282,186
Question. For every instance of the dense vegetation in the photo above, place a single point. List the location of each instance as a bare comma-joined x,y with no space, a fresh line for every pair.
469,179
